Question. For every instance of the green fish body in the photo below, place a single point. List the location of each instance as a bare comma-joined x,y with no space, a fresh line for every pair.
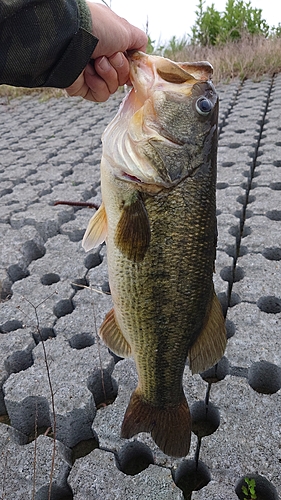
158,175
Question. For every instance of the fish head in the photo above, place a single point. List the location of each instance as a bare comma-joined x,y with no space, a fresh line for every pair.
166,127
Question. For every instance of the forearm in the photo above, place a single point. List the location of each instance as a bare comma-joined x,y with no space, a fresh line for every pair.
47,43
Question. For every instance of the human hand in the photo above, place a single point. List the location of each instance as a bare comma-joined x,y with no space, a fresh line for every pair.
109,67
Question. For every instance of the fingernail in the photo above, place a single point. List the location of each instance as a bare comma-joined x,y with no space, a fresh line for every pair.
104,64
117,59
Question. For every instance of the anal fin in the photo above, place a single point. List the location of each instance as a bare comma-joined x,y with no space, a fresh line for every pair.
211,343
112,336
170,427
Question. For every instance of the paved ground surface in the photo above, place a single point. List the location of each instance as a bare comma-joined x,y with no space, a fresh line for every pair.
51,289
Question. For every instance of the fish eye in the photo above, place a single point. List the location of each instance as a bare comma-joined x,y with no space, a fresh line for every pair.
203,106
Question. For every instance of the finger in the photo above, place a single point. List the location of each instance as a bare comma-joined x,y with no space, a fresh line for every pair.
121,65
78,88
98,90
107,72
138,40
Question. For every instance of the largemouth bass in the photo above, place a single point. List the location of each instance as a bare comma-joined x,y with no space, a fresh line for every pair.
158,178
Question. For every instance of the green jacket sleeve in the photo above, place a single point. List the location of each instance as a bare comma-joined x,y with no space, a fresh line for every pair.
44,43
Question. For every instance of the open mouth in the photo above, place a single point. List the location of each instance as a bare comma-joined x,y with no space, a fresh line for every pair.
131,178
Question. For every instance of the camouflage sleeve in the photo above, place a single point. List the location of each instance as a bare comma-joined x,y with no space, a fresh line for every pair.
44,43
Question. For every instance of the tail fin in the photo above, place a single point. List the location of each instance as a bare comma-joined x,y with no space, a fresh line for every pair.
170,427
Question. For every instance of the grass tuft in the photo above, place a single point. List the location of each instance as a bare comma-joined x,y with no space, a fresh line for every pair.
251,57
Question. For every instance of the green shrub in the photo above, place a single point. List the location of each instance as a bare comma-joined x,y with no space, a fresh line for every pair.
239,18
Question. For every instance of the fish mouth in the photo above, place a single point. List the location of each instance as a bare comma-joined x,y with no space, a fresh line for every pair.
134,140
149,72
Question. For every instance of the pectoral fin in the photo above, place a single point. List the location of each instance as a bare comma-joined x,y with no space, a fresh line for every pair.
210,345
96,231
112,336
132,235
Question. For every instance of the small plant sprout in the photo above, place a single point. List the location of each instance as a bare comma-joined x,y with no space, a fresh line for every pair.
250,489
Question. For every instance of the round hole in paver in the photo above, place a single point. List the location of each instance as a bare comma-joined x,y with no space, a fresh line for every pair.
18,361
264,377
49,279
30,417
222,185
81,340
249,213
230,328
191,476
6,290
103,387
273,253
223,301
16,272
276,186
79,284
269,304
10,326
116,358
205,418
238,274
85,447
234,299
274,215
231,250
239,214
243,199
218,372
133,458
234,231
92,260
255,486
232,276
31,251
63,307
246,231
228,164
66,173
76,235
44,333
57,492
243,250
240,131
277,163
235,145
105,287
6,191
